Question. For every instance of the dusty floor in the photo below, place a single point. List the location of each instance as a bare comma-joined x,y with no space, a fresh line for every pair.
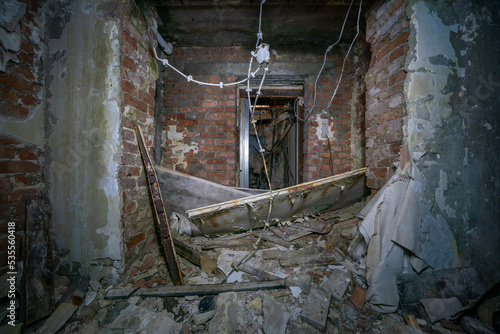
325,293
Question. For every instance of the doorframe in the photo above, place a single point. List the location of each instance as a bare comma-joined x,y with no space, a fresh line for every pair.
285,89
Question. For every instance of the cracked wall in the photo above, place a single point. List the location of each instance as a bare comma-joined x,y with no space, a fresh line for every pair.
452,128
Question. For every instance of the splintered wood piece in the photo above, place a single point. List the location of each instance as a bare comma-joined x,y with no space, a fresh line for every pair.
273,239
211,244
304,258
289,233
412,321
120,293
205,262
209,289
256,272
159,208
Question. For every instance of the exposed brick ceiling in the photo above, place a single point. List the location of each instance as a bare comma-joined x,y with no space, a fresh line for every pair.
285,24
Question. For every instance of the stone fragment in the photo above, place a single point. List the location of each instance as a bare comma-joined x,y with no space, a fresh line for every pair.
256,305
228,315
315,311
349,316
275,316
358,297
201,318
337,284
132,319
164,324
298,327
206,304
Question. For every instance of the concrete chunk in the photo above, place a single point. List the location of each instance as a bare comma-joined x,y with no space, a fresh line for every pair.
337,284
275,316
315,312
228,314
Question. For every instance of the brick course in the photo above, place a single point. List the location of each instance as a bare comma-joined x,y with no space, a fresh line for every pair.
205,117
21,162
138,102
387,34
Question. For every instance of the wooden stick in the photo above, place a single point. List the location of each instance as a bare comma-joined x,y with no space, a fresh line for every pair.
159,208
209,289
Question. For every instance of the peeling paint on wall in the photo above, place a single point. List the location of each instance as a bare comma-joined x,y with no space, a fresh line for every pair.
433,63
179,146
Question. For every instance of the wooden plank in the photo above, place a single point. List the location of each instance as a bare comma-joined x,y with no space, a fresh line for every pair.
256,272
159,209
205,262
182,192
289,233
209,289
212,244
187,252
298,258
305,199
283,254
39,286
120,293
273,239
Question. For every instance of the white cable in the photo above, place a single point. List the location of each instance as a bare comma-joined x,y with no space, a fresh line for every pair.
324,62
345,58
189,78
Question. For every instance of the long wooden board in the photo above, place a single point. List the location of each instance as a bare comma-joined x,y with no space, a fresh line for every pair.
209,289
159,209
250,213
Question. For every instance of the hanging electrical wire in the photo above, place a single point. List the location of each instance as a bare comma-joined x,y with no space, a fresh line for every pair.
262,55
309,112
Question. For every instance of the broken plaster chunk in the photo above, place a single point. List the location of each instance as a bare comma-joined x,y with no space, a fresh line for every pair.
228,314
275,316
203,317
337,284
441,308
296,291
315,312
256,305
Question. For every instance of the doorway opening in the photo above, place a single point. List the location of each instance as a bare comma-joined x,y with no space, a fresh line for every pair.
277,117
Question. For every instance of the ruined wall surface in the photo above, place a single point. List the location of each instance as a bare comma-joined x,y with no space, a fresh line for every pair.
452,130
82,130
387,32
137,79
22,152
200,135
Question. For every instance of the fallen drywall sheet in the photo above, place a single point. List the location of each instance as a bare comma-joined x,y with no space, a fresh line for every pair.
182,192
249,213
402,235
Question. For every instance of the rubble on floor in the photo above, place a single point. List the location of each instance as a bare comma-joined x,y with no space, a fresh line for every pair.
324,292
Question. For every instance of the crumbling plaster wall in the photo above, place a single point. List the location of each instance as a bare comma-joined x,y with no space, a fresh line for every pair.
452,128
82,128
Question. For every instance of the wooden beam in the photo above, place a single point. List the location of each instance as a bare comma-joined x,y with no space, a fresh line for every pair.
209,289
159,209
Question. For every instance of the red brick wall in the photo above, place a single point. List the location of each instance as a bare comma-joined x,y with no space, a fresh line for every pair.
21,162
138,91
204,119
387,32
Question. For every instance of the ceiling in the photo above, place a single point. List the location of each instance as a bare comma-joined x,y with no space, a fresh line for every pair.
285,24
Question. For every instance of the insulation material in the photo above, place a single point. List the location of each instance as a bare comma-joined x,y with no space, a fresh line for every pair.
402,235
